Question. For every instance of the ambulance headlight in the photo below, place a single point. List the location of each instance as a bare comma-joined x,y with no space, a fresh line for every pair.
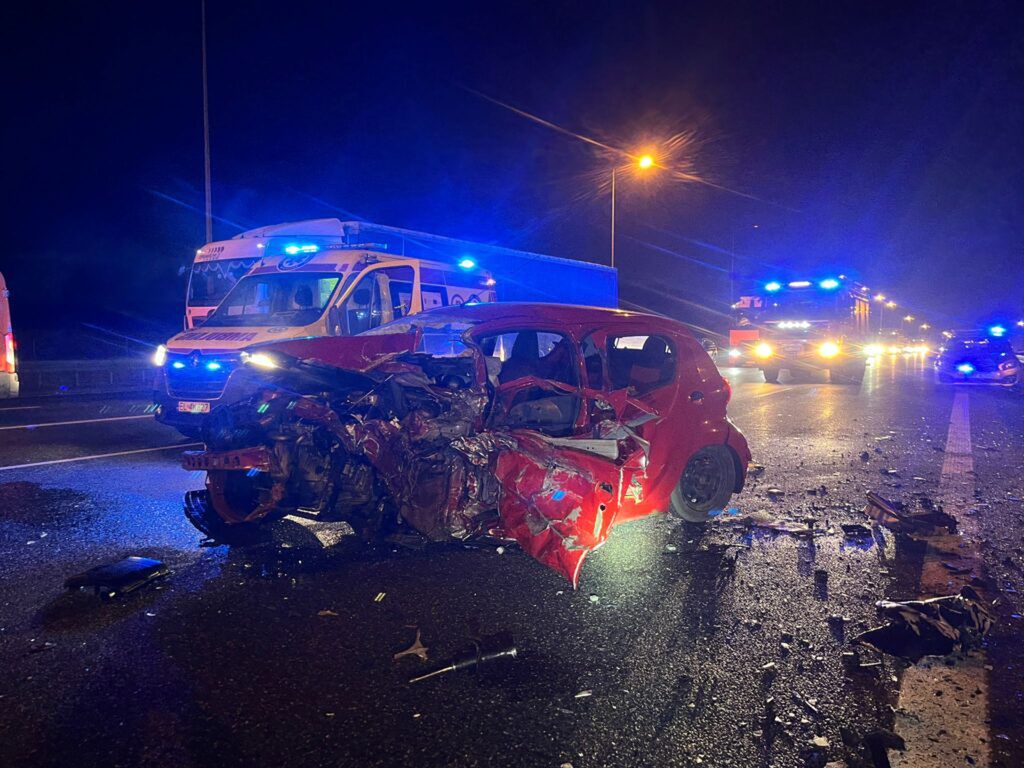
260,360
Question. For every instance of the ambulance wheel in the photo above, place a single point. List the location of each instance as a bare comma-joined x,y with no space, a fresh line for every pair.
771,375
707,484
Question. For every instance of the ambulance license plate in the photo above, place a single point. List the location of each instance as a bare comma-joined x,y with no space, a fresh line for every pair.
187,406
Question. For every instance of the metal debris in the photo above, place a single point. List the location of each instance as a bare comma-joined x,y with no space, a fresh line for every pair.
933,520
484,651
935,627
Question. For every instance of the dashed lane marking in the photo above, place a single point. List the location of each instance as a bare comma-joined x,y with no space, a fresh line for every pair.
951,730
79,421
100,456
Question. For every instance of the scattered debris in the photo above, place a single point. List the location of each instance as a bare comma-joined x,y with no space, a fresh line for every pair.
820,741
120,577
808,704
584,694
416,649
935,627
595,599
327,612
865,456
755,470
484,650
775,493
897,518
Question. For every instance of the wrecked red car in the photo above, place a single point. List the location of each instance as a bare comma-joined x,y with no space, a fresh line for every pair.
541,423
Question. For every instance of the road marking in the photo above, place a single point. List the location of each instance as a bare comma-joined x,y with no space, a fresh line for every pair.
775,391
943,732
100,456
80,421
21,408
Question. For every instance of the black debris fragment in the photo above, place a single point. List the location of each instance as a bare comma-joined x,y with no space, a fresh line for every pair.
119,578
856,531
935,627
485,650
933,520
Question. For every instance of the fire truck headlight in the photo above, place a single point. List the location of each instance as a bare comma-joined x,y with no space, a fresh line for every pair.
160,356
764,350
829,349
874,350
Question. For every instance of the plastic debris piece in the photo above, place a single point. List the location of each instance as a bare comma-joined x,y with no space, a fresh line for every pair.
416,649
895,517
935,627
820,741
584,694
120,577
856,530
327,612
484,651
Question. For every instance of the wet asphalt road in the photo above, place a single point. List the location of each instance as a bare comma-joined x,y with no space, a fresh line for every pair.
281,655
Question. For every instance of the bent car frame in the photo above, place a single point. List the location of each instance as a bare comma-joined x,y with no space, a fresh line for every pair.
545,424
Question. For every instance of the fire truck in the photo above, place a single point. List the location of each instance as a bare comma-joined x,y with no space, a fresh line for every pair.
803,325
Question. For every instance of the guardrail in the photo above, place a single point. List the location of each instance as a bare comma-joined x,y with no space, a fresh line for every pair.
73,377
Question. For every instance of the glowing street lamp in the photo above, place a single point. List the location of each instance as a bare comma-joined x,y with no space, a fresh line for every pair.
644,162
925,326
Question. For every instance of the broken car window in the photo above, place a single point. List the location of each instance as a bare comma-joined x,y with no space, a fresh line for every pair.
641,362
532,353
593,363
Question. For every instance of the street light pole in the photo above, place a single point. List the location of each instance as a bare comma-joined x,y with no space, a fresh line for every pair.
206,135
613,216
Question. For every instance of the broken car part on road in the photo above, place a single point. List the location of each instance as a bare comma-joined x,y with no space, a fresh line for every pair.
120,577
935,627
485,650
545,424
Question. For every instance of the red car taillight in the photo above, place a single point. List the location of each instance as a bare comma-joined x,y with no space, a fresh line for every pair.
8,359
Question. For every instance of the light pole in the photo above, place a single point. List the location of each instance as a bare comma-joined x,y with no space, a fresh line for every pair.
206,135
643,163
880,298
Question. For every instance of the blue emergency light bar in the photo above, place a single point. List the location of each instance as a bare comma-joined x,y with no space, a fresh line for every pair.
292,250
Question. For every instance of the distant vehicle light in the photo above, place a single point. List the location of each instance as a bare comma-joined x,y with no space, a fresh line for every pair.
773,286
490,282
874,350
177,364
467,262
800,284
794,324
828,349
829,284
997,331
734,353
292,250
764,350
160,356
213,366
965,368
260,360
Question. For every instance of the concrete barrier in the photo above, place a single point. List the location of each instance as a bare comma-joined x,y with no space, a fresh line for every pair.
82,377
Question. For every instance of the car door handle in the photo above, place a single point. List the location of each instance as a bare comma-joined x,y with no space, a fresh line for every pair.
696,396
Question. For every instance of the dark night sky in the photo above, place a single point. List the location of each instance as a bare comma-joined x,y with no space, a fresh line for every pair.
883,139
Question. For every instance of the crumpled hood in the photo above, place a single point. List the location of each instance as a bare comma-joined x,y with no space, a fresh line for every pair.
351,353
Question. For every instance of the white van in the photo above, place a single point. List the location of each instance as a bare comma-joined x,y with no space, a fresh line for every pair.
8,362
311,291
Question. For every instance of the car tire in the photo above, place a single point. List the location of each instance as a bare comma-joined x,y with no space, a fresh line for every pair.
201,514
771,375
707,484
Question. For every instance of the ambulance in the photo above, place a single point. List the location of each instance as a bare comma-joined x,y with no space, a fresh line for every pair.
309,289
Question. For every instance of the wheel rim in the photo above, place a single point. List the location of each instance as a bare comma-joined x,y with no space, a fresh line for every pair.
701,480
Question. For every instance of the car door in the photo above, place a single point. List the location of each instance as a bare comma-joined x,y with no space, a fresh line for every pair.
560,478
